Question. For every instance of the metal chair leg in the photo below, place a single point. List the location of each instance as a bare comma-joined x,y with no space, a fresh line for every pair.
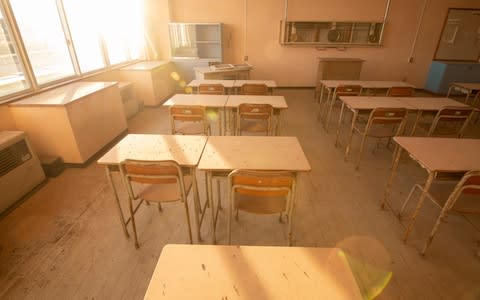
132,218
362,144
188,221
435,228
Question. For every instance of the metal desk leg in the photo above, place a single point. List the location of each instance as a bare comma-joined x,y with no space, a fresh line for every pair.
340,120
196,203
277,124
117,200
450,90
396,160
431,175
350,135
219,121
417,120
210,201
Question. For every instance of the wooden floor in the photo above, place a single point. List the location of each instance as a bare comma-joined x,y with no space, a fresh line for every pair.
65,241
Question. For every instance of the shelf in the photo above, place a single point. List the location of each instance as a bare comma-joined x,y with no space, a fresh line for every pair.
331,34
196,41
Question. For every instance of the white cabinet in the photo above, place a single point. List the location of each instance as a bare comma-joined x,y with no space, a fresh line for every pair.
195,45
196,41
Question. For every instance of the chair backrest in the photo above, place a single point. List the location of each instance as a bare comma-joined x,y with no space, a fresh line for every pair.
151,172
469,184
262,184
254,89
347,90
400,91
188,113
382,115
211,89
254,112
458,116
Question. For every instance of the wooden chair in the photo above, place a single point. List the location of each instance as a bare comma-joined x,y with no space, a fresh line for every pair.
451,121
254,118
382,123
159,181
468,184
211,89
341,90
189,119
400,91
254,89
261,192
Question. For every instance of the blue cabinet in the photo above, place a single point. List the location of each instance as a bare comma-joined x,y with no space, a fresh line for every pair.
443,73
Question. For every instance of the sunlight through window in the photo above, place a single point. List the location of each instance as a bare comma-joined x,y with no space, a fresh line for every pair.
44,39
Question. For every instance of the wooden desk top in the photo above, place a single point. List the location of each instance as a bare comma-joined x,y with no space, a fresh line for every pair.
371,84
145,66
472,86
226,153
64,95
184,149
369,102
225,83
277,102
269,83
251,272
430,103
443,154
197,99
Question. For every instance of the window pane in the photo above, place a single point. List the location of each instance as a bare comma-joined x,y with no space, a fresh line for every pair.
11,74
85,30
44,40
135,33
113,30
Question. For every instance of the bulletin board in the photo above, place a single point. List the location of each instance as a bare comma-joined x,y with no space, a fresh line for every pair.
460,38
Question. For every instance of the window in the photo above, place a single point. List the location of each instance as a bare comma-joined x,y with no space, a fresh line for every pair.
86,36
51,41
44,39
12,78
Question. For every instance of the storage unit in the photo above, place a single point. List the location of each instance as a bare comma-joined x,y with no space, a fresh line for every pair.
195,45
74,121
196,41
224,72
129,100
443,73
331,34
153,81
20,169
334,68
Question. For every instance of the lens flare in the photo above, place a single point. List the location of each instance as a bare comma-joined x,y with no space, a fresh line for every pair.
369,262
175,76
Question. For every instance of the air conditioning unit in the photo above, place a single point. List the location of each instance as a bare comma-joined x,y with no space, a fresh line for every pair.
20,168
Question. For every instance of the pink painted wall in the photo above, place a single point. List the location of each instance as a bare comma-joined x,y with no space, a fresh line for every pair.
296,66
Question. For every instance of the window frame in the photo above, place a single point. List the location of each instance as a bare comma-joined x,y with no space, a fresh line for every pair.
33,86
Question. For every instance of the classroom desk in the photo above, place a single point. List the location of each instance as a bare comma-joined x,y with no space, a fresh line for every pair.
277,102
331,85
216,102
269,83
464,87
357,103
223,154
367,85
437,156
428,104
186,150
252,272
227,84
